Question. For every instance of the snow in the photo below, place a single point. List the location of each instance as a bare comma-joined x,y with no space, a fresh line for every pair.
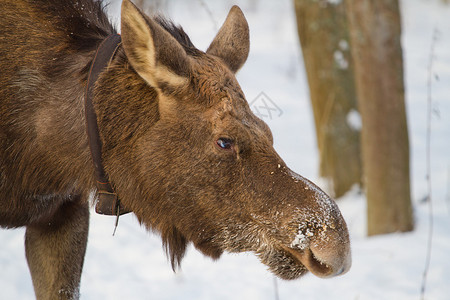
354,120
301,240
132,264
333,1
340,60
343,45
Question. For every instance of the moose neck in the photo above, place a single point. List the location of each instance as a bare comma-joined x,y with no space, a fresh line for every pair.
126,108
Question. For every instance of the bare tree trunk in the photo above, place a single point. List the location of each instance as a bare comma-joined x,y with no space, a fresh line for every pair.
323,32
152,6
375,39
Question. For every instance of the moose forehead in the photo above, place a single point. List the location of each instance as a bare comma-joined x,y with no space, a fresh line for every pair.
218,90
212,81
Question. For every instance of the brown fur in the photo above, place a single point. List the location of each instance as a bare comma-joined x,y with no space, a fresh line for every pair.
161,106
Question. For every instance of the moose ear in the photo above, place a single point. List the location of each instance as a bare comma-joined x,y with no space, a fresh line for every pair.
232,42
153,53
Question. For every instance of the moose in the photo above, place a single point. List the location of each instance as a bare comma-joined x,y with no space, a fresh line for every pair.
153,126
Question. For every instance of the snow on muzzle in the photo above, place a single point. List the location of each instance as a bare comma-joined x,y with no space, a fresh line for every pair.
320,241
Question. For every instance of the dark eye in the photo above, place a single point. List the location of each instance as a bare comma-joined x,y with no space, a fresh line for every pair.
225,143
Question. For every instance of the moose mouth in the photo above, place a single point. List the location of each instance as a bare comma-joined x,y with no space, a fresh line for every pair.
288,263
310,262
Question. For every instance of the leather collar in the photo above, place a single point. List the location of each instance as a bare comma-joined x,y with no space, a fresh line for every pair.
108,202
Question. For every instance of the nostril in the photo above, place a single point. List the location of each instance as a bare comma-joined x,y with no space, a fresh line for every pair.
340,271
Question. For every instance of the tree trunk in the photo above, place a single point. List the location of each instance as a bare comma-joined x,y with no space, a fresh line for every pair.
377,54
323,33
153,6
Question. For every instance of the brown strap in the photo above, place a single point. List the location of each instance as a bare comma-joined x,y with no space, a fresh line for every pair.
108,203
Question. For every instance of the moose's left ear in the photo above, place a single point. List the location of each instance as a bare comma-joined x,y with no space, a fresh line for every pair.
232,42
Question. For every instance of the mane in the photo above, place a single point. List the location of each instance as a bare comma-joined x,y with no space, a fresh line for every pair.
70,27
79,26
86,23
83,22
178,33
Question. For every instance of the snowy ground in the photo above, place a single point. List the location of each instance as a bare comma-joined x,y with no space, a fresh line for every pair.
132,264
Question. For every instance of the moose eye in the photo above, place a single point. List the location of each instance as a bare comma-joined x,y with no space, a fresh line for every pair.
224,143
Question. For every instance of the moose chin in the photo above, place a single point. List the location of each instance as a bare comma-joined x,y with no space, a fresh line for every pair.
157,128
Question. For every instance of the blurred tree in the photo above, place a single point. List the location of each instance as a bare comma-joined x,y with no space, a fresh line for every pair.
323,32
152,6
375,32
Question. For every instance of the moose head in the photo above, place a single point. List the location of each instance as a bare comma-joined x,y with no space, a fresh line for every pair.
190,159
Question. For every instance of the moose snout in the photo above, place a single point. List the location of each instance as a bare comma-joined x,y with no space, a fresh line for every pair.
320,265
325,252
320,239
336,255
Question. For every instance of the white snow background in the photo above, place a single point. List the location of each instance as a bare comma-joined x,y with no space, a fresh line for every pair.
132,264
